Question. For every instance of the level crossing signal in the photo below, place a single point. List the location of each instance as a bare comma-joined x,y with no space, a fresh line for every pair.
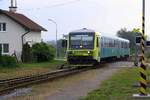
138,41
148,43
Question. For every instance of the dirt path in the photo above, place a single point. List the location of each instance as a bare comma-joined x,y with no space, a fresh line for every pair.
73,87
82,87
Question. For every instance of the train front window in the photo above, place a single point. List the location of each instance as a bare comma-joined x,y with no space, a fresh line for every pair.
81,41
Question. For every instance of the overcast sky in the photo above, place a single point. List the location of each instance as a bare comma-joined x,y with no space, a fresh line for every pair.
105,16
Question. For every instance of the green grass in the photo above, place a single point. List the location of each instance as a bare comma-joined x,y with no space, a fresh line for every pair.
118,87
25,69
53,63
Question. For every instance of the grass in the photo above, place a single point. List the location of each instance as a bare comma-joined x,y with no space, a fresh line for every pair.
51,64
25,69
118,87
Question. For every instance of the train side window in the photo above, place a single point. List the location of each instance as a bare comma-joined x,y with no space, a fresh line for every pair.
125,45
113,44
121,44
104,42
108,43
101,42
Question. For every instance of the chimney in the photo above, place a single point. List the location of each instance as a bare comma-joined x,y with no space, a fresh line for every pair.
13,6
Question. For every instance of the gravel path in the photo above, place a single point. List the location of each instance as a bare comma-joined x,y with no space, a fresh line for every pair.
82,87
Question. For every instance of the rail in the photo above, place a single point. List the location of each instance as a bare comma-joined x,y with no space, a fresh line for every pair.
8,85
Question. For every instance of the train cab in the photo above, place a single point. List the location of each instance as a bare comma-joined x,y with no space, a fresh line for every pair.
83,47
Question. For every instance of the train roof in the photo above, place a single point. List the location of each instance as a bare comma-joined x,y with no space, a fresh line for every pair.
116,38
83,31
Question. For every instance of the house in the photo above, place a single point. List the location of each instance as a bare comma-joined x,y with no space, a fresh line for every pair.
15,30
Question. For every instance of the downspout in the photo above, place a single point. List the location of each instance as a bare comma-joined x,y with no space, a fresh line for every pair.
22,37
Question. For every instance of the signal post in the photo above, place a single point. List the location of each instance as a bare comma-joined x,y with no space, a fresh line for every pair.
143,75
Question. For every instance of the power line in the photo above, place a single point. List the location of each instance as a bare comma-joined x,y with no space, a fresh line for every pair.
55,5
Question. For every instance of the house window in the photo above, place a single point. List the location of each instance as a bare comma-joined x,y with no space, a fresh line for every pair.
4,48
2,27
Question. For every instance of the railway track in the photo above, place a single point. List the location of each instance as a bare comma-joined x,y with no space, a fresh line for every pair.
8,85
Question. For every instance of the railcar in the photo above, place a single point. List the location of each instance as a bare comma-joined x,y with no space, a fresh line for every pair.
85,46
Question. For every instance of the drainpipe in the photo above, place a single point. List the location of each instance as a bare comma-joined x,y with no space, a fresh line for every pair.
22,37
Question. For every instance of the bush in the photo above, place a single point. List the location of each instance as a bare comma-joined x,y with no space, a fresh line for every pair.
148,55
0,55
8,61
26,53
42,52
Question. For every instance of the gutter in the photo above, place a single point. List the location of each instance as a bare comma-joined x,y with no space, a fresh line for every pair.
22,37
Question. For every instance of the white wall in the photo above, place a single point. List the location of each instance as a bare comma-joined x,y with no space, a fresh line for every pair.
13,34
33,37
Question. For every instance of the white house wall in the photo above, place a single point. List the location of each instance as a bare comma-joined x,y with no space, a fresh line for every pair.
33,37
13,34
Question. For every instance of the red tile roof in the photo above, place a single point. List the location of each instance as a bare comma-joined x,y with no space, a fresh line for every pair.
23,20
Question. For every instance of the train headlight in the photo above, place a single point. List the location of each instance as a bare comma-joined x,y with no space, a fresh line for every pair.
89,52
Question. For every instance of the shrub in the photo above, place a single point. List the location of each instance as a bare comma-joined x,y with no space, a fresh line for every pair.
42,52
8,61
26,53
0,51
148,55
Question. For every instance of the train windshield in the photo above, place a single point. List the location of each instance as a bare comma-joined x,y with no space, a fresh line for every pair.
81,41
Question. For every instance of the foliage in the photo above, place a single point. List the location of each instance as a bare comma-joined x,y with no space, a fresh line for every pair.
0,54
130,35
8,61
26,53
42,52
62,48
148,55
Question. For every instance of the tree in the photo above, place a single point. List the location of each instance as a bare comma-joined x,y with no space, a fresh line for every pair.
130,35
26,53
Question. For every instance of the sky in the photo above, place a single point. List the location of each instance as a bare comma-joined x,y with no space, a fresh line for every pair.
104,16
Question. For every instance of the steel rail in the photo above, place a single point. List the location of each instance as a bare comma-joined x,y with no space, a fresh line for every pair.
10,84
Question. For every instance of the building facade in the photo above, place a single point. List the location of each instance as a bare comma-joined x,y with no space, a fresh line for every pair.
16,30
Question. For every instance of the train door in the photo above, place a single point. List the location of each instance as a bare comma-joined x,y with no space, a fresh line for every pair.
98,48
